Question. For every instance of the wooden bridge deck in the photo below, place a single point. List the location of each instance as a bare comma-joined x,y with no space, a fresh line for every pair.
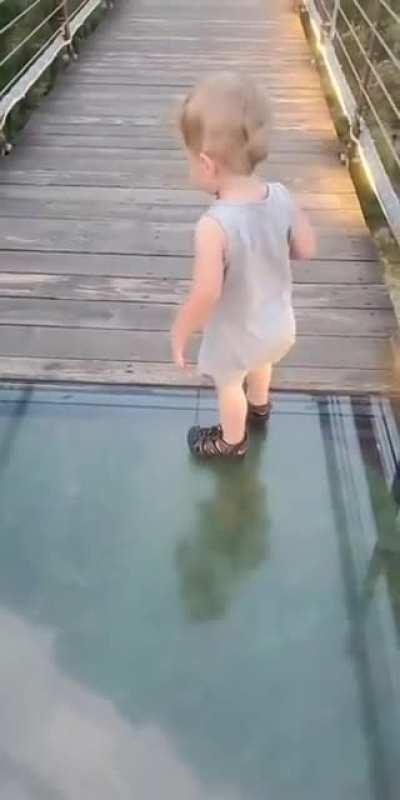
96,216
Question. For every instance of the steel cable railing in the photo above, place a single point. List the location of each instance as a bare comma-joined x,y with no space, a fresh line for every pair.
360,43
32,34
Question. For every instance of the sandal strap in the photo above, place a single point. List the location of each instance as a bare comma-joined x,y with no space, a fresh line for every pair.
209,443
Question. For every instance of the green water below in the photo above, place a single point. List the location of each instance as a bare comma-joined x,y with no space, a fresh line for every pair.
197,633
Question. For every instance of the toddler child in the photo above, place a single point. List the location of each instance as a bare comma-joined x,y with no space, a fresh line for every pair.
241,296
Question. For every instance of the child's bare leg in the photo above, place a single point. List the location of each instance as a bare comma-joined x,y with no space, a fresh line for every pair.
258,383
232,411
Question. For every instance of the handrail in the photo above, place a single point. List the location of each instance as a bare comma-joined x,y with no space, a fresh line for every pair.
357,40
31,41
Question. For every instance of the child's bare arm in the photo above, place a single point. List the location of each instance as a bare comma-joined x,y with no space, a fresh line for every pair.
206,288
303,243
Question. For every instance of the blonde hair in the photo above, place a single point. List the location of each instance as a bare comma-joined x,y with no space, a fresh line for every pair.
227,117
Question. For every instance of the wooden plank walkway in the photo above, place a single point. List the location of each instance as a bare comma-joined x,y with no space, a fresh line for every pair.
96,216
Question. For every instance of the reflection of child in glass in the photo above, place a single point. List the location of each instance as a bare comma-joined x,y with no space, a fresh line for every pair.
242,294
230,540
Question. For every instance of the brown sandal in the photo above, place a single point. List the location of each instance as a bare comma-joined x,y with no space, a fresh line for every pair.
209,443
258,416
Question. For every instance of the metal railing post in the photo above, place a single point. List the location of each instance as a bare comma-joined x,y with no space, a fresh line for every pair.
335,15
66,26
66,31
367,71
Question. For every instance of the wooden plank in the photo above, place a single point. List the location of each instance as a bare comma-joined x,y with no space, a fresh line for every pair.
201,62
187,43
181,26
153,100
173,76
169,77
108,204
329,225
186,70
159,97
151,266
155,139
88,158
162,290
344,381
132,128
141,172
159,317
30,200
178,81
142,237
221,11
137,176
169,163
354,381
147,346
286,52
289,120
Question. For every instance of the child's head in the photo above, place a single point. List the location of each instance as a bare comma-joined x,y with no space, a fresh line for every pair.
225,122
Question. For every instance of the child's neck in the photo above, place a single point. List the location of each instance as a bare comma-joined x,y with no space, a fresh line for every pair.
241,189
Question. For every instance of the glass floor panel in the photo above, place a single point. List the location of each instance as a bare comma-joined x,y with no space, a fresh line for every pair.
170,630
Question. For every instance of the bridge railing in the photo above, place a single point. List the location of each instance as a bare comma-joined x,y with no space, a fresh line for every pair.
360,43
32,34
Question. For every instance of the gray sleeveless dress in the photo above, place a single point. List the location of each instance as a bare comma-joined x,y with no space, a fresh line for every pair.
253,323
